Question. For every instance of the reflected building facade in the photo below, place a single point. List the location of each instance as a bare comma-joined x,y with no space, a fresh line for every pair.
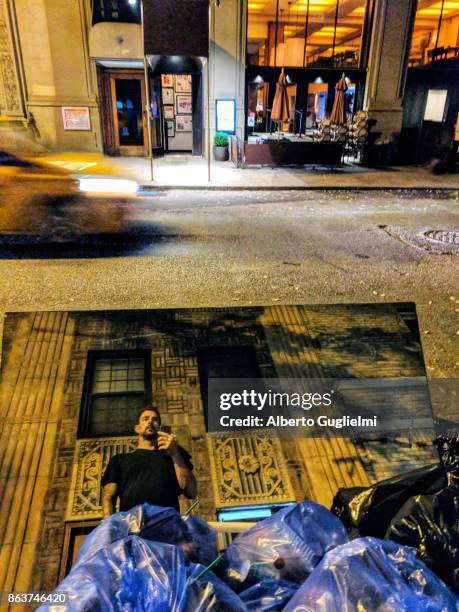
72,384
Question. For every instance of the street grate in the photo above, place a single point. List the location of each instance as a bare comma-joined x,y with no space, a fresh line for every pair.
443,236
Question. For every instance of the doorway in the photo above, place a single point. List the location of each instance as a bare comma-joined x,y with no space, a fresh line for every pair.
124,124
177,108
317,103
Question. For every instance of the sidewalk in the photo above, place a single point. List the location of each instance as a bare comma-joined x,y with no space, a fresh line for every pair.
184,171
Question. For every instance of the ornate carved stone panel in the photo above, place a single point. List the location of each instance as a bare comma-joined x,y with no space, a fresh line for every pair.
90,460
10,101
249,470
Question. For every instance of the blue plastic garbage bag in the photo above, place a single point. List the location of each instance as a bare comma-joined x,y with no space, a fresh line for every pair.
368,574
137,575
210,594
130,574
149,522
203,546
269,595
198,540
287,545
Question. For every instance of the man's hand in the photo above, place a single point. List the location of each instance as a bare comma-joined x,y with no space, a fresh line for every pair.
168,443
185,477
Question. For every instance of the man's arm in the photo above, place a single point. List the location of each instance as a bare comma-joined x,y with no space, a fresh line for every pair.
185,476
108,499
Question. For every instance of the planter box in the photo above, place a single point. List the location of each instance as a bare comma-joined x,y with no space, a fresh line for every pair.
285,153
221,153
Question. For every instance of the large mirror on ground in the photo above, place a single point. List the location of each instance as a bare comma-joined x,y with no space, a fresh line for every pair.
266,404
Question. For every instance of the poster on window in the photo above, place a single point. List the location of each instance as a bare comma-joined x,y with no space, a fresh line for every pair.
183,83
76,118
168,112
167,80
168,95
183,123
183,104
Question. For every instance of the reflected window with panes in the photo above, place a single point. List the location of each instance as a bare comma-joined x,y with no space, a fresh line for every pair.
117,385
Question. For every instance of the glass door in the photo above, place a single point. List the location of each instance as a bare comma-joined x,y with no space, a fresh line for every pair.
128,96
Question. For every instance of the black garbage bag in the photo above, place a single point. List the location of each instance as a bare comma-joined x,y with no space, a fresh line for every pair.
287,545
430,523
268,595
369,575
369,510
139,575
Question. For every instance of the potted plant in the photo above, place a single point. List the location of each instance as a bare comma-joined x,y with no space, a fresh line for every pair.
221,152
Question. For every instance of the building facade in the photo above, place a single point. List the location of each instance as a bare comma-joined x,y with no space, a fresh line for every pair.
72,74
72,384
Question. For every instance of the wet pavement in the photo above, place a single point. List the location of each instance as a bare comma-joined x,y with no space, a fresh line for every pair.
191,248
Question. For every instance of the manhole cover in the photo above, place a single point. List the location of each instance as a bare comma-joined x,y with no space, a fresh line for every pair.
442,242
443,236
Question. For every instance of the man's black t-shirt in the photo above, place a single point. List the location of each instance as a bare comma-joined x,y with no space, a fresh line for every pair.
145,476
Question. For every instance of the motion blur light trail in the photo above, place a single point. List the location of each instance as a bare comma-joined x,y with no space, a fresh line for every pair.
107,185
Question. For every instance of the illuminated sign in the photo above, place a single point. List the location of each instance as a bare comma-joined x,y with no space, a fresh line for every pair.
225,116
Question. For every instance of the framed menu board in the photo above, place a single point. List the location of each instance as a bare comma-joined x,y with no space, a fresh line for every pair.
225,116
76,118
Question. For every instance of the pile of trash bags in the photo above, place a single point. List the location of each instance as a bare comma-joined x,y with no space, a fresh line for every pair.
419,509
393,547
149,558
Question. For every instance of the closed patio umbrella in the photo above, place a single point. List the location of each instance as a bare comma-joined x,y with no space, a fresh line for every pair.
280,111
338,114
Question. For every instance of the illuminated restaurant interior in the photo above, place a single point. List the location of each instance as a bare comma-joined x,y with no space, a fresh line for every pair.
276,32
436,32
335,29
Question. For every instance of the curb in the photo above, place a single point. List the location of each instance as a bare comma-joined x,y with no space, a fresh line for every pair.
153,188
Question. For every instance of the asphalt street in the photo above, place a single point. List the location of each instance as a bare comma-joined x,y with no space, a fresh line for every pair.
210,248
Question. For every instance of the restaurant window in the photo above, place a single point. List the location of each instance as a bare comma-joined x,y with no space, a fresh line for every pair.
225,362
436,32
334,32
126,11
117,386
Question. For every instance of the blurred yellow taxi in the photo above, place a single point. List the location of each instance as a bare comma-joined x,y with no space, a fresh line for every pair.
45,201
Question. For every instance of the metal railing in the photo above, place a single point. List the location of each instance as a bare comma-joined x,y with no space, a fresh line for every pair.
227,531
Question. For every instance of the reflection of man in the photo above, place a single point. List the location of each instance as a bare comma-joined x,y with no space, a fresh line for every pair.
157,472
